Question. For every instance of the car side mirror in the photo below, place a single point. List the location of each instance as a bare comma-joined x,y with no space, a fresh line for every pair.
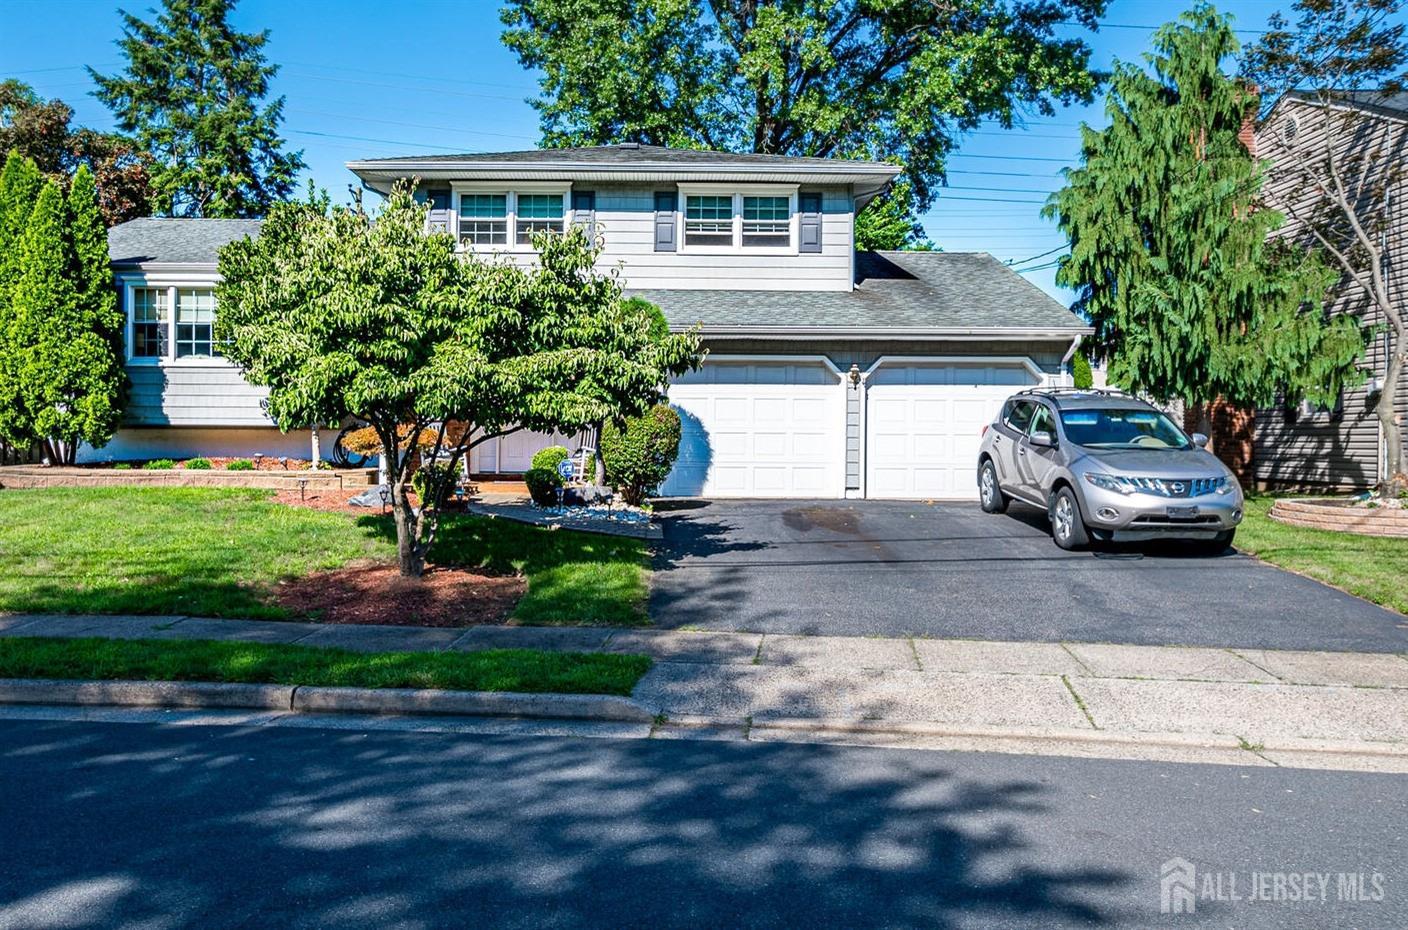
1041,438
1200,440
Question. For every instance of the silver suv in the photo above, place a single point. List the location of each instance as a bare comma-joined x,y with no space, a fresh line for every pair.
1106,466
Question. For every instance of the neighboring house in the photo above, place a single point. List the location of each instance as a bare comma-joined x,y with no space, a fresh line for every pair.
1339,448
831,373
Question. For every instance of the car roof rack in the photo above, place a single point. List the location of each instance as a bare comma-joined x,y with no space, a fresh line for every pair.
1057,391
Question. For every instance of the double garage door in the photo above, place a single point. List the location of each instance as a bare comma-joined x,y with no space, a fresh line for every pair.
780,429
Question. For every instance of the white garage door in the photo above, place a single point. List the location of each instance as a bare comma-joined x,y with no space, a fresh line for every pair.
924,424
759,430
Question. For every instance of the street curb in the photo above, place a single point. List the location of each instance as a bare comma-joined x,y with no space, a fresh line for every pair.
145,693
320,700
323,700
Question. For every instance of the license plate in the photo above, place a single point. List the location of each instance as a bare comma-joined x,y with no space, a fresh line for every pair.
1182,512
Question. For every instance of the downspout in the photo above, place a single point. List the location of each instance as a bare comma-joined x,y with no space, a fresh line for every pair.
1070,353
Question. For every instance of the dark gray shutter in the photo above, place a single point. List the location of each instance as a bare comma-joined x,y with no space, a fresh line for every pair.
438,218
584,210
809,221
665,234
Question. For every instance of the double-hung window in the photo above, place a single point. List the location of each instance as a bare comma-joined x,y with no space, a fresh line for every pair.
195,323
767,222
538,213
708,220
484,219
151,319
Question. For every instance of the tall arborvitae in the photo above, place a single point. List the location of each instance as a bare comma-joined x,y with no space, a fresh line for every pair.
1172,252
20,182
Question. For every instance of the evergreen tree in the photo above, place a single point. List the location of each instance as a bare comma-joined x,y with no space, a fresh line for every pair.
193,95
20,182
99,388
1170,253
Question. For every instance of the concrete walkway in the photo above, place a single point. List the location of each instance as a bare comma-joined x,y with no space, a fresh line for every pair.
1241,706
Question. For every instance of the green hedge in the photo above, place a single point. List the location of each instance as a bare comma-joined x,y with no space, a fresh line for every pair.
641,452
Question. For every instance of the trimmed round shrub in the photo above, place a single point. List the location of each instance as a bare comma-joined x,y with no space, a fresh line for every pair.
550,458
423,477
239,465
640,452
542,485
198,464
159,464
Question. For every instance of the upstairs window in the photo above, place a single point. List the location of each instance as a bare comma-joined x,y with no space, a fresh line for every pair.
484,219
708,220
195,323
538,213
151,317
767,222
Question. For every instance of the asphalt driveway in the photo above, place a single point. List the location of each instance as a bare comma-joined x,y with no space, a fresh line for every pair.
893,568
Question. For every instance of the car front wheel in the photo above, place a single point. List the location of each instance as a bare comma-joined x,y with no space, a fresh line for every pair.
989,491
1067,527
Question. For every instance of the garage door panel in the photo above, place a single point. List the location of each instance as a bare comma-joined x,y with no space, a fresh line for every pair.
762,430
924,425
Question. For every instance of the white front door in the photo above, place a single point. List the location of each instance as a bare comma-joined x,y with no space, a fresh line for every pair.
924,424
759,429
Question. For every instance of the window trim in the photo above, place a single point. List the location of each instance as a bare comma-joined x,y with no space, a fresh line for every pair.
738,192
172,285
510,190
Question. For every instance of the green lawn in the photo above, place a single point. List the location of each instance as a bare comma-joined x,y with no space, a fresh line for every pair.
219,553
261,663
1370,567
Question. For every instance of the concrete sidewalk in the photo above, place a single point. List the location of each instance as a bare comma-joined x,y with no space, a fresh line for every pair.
1261,707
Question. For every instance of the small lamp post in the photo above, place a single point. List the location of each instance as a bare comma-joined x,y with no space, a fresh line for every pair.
384,492
302,490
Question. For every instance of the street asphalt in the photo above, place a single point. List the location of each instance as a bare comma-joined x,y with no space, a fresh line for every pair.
128,825
893,568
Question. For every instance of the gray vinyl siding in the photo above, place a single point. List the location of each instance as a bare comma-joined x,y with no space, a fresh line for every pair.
1319,451
193,395
625,217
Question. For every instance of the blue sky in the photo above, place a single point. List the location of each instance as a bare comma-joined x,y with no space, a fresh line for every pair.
364,78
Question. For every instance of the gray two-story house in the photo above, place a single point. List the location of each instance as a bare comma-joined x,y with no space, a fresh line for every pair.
831,373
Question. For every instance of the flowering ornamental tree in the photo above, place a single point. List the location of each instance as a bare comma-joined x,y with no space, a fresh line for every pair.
342,316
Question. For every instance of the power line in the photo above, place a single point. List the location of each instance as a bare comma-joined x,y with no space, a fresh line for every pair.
1042,255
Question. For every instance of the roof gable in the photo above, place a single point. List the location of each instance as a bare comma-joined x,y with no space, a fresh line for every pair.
155,240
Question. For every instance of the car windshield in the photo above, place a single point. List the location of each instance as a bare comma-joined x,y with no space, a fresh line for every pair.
1118,428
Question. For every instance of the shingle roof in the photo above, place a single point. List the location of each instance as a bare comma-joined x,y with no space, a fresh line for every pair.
626,154
894,291
169,241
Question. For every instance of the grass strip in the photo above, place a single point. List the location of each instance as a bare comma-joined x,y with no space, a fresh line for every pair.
521,670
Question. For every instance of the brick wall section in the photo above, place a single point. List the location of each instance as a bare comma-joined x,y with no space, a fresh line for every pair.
1233,437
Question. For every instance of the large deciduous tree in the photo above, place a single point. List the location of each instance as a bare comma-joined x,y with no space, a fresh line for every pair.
1347,169
193,94
833,78
342,316
1170,253
40,130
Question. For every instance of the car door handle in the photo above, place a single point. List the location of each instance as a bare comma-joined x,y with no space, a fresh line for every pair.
1021,450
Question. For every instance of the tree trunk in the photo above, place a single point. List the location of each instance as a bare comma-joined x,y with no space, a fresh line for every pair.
1393,481
1205,425
408,554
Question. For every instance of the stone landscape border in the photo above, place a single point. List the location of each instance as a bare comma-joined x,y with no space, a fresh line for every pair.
1328,514
323,479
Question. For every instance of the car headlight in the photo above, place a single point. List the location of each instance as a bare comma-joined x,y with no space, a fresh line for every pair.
1108,482
1227,485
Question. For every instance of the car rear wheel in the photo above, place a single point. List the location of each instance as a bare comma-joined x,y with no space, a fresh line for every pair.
1067,527
989,491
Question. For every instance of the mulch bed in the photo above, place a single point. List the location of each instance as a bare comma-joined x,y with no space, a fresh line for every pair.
378,594
325,499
